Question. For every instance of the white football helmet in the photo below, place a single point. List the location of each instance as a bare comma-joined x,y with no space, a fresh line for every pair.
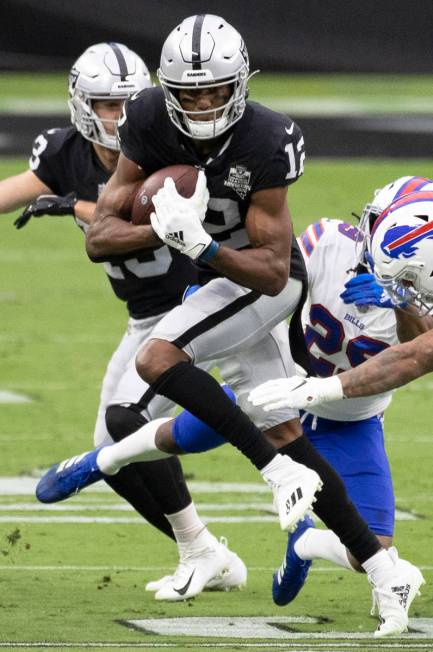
204,51
105,71
383,197
401,248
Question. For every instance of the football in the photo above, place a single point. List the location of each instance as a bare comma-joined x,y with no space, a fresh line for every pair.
184,177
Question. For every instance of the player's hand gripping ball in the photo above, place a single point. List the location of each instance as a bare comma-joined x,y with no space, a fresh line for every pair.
185,179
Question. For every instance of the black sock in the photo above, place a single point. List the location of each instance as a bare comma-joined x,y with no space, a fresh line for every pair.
128,484
333,505
196,391
153,488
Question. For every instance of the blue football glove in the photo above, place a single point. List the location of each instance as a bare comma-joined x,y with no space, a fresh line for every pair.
363,290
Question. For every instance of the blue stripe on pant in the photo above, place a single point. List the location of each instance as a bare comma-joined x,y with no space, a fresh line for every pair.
356,450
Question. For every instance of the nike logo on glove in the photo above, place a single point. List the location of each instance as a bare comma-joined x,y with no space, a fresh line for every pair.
185,588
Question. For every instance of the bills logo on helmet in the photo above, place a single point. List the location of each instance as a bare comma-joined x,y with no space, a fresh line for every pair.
403,240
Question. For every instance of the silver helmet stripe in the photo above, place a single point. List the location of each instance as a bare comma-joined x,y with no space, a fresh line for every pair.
123,68
196,40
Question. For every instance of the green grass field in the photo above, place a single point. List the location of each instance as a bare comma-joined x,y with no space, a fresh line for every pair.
67,579
300,94
73,574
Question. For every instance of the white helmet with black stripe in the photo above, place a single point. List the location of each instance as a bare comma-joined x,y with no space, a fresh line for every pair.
204,51
105,71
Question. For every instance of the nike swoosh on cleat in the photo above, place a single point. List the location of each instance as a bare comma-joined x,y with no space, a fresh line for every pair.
185,588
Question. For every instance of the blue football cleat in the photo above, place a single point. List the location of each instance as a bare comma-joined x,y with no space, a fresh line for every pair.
69,477
289,579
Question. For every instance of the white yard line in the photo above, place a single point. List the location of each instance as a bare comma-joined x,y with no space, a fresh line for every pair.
124,520
12,397
125,507
287,645
145,569
26,485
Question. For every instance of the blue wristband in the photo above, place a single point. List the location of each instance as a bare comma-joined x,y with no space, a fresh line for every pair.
209,252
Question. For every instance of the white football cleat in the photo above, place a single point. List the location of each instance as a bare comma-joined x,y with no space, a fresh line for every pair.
234,576
394,594
206,561
155,585
294,486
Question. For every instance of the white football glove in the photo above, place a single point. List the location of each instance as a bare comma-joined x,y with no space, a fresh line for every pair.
296,392
177,221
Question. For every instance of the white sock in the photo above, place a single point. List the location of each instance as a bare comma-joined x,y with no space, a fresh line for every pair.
187,526
322,544
378,564
138,447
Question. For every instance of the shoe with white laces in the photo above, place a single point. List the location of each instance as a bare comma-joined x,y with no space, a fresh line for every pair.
69,477
289,579
294,486
234,576
393,594
204,559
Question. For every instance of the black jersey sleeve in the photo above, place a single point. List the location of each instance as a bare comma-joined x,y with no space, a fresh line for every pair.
136,125
46,159
128,131
285,154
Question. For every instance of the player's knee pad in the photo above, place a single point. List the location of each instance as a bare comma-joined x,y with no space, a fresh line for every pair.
122,420
193,435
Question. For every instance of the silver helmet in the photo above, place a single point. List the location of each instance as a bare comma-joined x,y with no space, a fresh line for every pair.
105,71
204,51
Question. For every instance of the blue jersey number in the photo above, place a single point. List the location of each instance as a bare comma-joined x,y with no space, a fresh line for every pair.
331,340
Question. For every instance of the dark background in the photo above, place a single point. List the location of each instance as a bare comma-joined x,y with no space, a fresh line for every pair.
282,35
348,36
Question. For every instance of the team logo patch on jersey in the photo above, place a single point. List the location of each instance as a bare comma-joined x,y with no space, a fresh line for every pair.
239,179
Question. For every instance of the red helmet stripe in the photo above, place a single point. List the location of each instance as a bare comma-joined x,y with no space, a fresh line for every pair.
416,183
425,228
407,199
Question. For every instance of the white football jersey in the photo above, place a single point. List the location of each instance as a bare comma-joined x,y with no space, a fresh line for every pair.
340,336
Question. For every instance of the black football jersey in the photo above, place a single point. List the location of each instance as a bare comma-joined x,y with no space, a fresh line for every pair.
263,150
150,282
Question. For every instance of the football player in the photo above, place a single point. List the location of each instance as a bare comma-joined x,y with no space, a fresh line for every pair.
239,233
399,247
75,163
348,317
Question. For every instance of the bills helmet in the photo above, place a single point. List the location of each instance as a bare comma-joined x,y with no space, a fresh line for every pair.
401,248
204,51
383,197
105,71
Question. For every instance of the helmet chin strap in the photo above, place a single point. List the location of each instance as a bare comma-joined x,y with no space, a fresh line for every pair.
105,139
